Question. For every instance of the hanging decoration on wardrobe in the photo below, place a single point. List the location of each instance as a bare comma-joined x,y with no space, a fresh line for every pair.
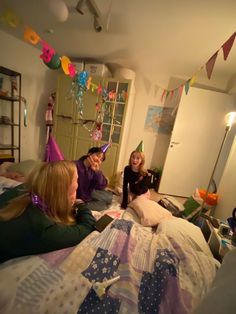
54,61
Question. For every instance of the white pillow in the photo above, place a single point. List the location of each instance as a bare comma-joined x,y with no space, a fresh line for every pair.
149,212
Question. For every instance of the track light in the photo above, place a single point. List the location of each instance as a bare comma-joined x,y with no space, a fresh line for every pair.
80,6
97,25
93,9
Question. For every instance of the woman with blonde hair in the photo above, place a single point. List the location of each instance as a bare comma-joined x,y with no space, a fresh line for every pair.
136,178
44,218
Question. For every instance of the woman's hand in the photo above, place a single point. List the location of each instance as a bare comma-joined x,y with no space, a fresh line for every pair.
94,164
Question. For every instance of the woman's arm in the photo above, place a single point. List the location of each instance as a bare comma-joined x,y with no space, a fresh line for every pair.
125,189
58,236
100,181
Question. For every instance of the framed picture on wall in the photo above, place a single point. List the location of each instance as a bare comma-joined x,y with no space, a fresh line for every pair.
159,119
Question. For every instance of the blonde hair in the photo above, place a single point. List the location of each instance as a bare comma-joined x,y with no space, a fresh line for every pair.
142,170
51,183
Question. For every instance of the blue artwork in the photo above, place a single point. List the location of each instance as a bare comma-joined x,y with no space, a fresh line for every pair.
159,119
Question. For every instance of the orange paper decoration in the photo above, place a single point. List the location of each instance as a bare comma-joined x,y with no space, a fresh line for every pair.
31,36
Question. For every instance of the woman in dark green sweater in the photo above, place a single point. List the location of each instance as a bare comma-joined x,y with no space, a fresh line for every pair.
45,218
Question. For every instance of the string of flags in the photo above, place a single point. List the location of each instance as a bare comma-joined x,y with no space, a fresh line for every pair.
83,81
209,66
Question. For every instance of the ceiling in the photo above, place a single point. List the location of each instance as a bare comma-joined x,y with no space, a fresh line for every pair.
161,39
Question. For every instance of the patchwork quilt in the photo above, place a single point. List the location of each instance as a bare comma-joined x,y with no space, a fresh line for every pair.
155,273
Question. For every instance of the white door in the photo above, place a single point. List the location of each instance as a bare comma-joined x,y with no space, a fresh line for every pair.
195,142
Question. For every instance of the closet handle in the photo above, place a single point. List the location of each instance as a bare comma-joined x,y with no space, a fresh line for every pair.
64,116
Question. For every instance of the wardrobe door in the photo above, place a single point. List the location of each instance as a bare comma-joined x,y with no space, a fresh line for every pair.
85,124
73,131
64,128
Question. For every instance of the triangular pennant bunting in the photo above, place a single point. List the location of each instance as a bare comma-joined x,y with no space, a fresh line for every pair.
228,45
186,86
163,94
193,80
210,64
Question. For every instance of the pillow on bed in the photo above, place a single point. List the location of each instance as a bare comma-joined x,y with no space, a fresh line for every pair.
149,212
24,167
4,166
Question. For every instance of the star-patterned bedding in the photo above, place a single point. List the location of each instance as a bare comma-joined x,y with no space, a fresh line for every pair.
157,273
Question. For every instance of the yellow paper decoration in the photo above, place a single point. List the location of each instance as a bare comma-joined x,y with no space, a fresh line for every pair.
65,61
10,18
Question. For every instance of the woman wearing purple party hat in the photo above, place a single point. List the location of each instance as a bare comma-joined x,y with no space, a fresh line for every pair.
92,182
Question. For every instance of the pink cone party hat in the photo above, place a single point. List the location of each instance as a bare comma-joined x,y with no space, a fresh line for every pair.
140,147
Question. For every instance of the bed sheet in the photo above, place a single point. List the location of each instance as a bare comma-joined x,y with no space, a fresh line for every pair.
159,273
7,183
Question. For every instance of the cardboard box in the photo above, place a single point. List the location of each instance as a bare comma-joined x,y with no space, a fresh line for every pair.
79,66
96,69
5,157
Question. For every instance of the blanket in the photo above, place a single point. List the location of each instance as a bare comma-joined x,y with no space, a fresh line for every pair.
158,273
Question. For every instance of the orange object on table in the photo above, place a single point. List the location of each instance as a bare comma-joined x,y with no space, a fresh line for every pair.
212,198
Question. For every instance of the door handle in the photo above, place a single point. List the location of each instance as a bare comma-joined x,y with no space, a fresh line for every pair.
174,143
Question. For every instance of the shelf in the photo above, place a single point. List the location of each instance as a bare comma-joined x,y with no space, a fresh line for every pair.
9,124
10,103
8,146
9,98
8,72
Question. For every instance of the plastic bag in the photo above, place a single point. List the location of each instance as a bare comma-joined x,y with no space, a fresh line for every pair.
212,198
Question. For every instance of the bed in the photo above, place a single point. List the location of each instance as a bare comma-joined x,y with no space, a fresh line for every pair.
158,269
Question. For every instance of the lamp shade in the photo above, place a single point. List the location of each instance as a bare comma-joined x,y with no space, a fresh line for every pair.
230,118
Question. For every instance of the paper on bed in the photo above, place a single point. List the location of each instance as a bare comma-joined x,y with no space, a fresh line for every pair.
7,183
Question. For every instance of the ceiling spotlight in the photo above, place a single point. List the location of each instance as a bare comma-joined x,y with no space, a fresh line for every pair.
84,6
97,25
80,6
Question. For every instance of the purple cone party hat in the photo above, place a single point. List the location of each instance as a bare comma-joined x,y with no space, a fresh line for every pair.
52,151
105,147
140,147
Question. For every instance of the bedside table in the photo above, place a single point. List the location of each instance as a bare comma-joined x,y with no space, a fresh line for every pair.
218,244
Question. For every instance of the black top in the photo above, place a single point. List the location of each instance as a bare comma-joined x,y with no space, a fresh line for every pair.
138,184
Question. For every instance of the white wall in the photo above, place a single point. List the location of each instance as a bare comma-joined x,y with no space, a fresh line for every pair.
37,83
155,145
227,187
